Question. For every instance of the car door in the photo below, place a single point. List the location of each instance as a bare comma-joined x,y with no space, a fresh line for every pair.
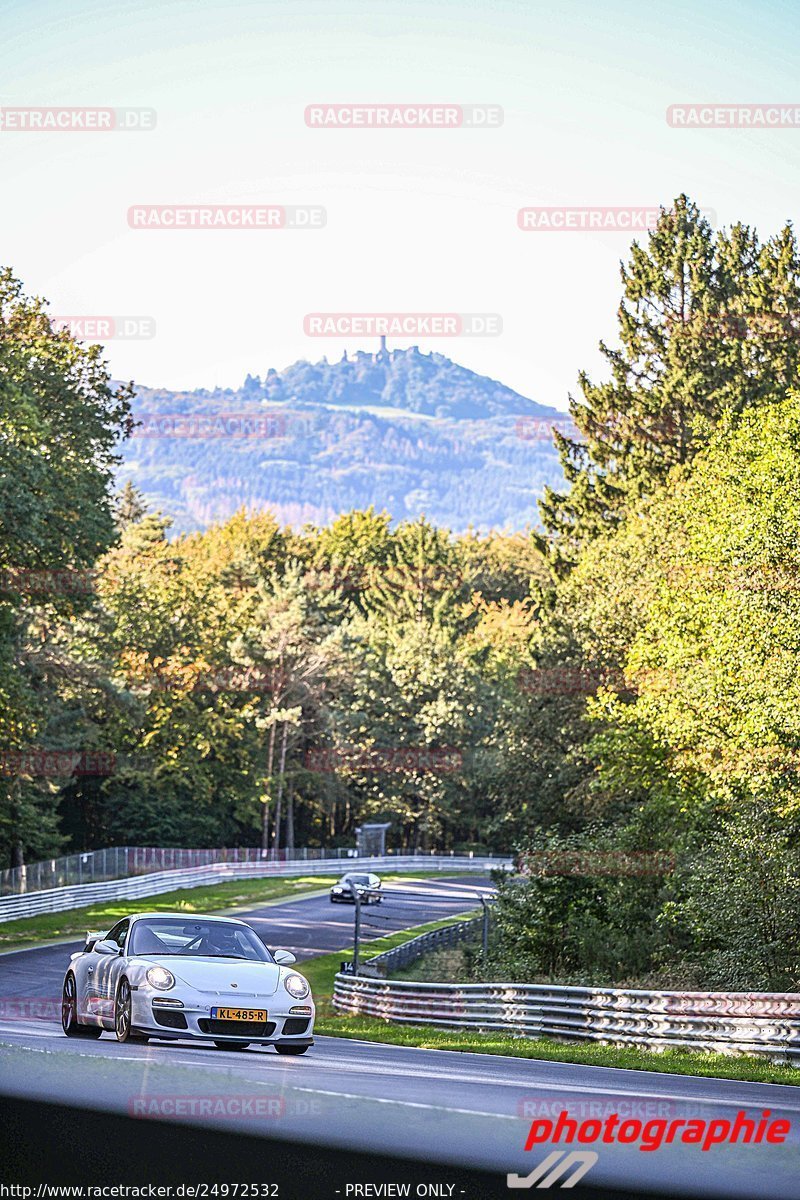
107,971
91,981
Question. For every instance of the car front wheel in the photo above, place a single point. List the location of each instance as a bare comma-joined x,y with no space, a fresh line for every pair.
123,1015
69,1013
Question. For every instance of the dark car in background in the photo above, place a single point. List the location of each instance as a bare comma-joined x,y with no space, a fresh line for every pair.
367,885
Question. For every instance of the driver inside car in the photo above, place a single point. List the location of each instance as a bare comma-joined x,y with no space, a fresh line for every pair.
221,943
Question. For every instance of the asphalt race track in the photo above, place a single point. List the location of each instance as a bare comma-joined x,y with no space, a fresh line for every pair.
447,1107
306,927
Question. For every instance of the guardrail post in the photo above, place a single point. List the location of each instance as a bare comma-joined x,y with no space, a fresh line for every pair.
485,935
356,926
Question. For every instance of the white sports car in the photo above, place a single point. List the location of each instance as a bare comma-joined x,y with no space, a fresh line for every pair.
168,975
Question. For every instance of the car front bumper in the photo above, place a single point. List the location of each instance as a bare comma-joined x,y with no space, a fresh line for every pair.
347,898
193,1019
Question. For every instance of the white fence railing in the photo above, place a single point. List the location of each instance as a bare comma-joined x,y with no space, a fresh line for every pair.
82,895
118,862
726,1022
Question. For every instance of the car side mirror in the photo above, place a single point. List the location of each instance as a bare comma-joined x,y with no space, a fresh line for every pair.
284,958
106,948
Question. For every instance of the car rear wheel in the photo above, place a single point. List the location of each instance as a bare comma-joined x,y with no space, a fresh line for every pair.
231,1045
69,1013
291,1049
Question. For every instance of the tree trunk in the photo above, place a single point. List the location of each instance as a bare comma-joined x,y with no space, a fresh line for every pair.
17,844
279,799
290,822
265,822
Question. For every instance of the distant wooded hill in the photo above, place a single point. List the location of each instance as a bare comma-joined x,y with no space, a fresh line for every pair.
404,431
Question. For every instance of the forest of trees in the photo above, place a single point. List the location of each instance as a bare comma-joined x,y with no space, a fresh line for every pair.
615,698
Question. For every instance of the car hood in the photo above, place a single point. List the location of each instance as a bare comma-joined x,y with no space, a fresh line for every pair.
218,975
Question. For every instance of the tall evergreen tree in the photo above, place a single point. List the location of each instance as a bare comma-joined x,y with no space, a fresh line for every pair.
129,506
707,328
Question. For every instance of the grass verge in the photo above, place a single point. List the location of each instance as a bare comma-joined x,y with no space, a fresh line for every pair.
320,973
15,935
629,1058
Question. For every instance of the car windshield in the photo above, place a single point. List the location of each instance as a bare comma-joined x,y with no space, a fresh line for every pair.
155,936
356,879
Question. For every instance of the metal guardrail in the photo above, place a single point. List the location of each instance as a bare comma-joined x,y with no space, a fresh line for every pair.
154,884
435,939
726,1022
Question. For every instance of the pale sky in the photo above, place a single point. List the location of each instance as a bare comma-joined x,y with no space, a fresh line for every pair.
417,220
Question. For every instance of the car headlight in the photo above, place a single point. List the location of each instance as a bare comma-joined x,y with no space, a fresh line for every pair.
296,986
337,889
161,978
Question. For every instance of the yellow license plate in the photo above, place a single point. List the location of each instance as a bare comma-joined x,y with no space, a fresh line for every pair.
254,1015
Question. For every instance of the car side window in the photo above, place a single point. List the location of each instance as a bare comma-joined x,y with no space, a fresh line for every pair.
119,933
